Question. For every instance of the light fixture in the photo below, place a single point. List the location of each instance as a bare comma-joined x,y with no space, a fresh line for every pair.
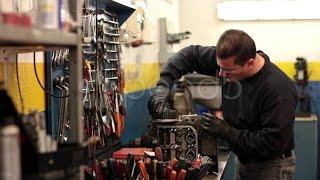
268,9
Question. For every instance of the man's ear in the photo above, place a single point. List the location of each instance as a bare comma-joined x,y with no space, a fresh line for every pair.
249,63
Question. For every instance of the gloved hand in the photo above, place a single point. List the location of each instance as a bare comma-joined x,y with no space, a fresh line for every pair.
214,125
158,100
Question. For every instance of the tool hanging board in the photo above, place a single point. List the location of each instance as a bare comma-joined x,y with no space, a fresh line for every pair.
102,76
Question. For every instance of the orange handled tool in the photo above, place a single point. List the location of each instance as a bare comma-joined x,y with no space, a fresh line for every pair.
197,163
143,170
118,117
168,171
182,174
173,175
173,162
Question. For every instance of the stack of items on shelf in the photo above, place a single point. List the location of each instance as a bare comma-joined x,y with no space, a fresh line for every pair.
44,14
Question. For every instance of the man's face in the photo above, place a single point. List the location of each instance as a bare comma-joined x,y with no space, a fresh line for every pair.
232,71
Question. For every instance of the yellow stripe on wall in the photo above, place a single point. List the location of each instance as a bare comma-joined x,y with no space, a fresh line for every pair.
33,96
140,76
289,69
144,76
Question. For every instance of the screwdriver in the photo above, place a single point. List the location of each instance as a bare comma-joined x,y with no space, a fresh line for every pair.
143,170
154,164
197,163
158,153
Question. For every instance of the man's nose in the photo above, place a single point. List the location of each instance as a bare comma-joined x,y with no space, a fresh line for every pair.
221,73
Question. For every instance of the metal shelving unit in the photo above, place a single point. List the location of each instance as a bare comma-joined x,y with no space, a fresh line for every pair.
12,35
19,40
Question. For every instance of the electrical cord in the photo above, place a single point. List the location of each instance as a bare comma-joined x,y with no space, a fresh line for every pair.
19,88
46,91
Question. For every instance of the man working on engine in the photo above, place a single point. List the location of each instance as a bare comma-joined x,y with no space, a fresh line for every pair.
259,103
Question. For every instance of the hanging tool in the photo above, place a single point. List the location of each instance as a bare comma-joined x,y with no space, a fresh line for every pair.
118,117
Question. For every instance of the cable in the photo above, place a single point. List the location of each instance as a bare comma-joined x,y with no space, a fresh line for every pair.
46,91
19,88
96,60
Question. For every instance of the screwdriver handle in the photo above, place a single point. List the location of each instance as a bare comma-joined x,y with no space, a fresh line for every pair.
173,175
197,163
158,153
168,171
143,170
173,162
182,174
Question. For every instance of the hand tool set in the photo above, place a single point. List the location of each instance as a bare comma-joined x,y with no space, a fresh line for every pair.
134,165
103,82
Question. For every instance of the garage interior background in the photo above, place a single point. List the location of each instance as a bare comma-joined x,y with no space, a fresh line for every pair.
282,40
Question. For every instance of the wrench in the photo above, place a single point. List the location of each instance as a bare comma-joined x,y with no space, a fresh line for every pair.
61,113
65,122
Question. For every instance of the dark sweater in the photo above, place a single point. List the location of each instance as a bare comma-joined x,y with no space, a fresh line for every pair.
260,109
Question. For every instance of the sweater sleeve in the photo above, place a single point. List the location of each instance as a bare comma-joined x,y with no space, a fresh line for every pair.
200,59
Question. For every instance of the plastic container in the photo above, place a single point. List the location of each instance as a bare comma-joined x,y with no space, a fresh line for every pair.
10,168
205,90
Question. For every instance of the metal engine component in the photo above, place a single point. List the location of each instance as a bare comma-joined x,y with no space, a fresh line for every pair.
182,138
178,141
178,131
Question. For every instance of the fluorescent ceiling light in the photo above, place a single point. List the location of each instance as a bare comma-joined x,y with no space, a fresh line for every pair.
268,10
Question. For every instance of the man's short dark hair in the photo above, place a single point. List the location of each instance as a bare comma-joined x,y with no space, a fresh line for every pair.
236,43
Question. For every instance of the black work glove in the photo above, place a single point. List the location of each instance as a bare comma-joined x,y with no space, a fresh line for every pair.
159,101
215,126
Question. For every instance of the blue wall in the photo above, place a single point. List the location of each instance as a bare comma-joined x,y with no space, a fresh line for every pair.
137,118
314,90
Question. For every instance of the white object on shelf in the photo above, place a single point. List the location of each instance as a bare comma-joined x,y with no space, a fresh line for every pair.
10,153
47,17
6,6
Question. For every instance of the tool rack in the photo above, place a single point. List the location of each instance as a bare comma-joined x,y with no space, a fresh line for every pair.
100,62
22,40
